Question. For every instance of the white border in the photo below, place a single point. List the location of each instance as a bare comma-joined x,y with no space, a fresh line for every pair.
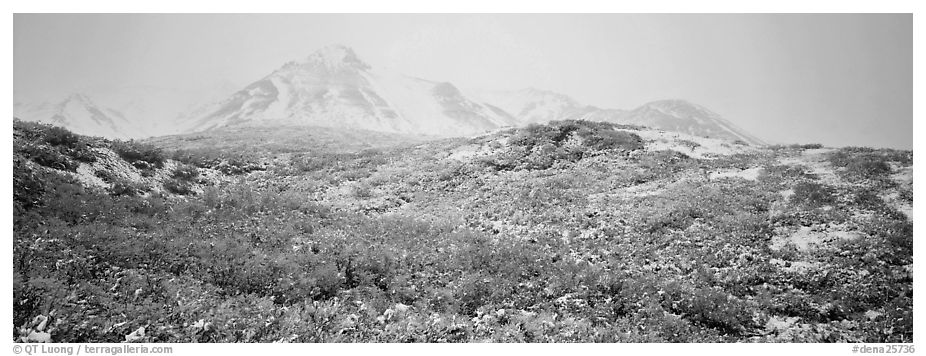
468,6
471,6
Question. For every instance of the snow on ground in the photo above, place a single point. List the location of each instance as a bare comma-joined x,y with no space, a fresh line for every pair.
693,146
893,199
904,178
468,152
85,175
747,174
816,163
110,164
807,238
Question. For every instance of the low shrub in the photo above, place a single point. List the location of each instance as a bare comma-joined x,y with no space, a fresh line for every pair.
227,162
868,167
594,135
869,199
106,175
862,163
807,146
608,139
709,307
473,292
184,172
236,166
538,147
783,175
361,190
46,156
59,136
812,194
126,188
140,155
178,186
28,185
662,164
690,144
202,158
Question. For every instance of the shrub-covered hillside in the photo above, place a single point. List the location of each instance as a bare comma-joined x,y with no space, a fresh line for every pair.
568,232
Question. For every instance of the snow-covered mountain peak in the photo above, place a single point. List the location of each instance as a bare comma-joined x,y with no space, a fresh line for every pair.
334,88
332,58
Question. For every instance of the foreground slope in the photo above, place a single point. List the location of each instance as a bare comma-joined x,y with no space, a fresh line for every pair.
571,231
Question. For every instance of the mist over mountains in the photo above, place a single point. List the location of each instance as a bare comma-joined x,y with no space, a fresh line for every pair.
332,87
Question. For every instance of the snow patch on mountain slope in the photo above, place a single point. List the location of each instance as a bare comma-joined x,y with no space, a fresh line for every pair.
411,100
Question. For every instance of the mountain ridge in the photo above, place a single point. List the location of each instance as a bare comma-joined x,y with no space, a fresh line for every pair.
333,87
80,113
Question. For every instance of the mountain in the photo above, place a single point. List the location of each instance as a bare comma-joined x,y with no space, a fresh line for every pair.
534,106
682,116
133,111
334,88
156,109
79,113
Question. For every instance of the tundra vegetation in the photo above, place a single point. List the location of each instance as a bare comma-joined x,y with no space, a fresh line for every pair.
568,232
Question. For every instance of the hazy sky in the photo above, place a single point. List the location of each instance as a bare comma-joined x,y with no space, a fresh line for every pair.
834,79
